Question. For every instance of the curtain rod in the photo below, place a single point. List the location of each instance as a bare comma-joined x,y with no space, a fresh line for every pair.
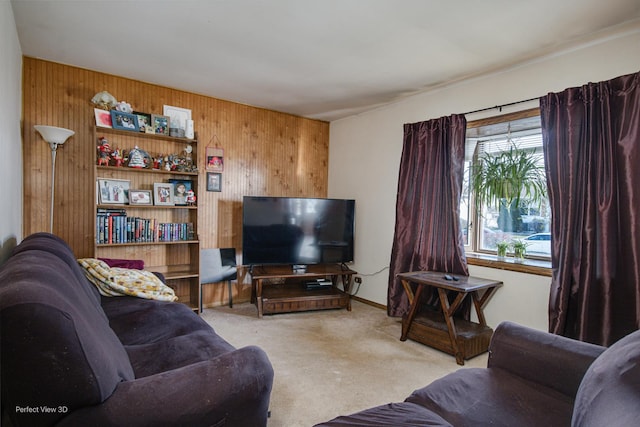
499,107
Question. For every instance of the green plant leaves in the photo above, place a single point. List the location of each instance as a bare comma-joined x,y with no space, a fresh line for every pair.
507,178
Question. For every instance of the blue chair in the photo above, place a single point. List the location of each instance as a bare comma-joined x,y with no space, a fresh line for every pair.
218,265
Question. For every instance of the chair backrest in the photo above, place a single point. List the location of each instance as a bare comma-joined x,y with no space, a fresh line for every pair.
228,257
217,265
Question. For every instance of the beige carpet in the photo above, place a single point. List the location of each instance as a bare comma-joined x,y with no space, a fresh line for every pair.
333,362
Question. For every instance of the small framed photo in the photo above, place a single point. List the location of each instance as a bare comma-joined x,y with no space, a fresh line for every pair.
103,118
214,182
163,194
124,121
180,188
144,122
113,191
160,124
215,159
140,197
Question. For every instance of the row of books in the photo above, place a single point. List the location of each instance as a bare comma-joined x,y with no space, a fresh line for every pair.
114,226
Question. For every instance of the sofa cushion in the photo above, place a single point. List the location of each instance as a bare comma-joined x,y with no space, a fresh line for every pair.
58,247
402,414
139,321
53,334
551,360
476,396
609,394
176,352
136,264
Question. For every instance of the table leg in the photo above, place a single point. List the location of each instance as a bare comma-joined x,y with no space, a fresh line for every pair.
413,309
447,312
479,304
346,285
407,290
259,297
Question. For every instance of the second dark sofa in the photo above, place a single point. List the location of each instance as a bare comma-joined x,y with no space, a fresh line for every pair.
533,378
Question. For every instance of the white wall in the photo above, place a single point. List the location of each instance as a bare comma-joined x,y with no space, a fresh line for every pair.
365,154
10,136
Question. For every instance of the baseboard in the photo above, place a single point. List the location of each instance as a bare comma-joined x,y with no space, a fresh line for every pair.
371,303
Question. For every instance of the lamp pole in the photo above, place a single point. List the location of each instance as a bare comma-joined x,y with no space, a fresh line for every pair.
54,136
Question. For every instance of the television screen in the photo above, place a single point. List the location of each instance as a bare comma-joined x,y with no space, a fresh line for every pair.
288,230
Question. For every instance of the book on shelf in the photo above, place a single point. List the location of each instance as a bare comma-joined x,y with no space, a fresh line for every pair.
113,226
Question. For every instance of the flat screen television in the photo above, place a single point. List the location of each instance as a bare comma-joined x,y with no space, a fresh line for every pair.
294,230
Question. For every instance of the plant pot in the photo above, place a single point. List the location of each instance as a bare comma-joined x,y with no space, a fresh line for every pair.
518,254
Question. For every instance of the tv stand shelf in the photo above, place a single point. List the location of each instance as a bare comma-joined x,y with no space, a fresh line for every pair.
277,289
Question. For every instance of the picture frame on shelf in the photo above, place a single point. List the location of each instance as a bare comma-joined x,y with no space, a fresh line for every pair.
124,121
140,197
163,194
103,118
178,116
160,124
113,191
215,159
144,122
214,182
180,188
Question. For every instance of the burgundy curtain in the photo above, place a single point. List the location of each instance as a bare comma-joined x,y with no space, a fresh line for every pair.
427,232
591,140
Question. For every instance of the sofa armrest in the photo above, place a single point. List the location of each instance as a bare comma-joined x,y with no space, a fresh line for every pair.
232,389
550,360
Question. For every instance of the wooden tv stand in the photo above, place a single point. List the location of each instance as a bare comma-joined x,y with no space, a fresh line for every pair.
278,289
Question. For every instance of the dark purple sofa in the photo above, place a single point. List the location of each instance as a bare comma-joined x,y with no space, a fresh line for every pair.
532,379
70,357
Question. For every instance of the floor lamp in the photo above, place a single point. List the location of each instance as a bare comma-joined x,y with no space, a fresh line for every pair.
54,136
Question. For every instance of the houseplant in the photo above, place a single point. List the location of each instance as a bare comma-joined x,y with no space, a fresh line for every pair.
519,249
502,247
503,180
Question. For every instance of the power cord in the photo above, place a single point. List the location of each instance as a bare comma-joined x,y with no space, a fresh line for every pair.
358,278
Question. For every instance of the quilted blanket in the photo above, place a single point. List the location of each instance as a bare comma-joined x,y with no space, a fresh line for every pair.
116,281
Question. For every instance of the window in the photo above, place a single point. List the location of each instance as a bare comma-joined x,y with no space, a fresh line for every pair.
523,216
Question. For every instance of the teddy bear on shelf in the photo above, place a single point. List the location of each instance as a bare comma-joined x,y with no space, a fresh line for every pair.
104,152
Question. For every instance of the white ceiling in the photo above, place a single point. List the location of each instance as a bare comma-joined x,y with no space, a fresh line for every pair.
322,59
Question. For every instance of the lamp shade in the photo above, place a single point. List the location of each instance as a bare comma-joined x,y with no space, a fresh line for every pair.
54,135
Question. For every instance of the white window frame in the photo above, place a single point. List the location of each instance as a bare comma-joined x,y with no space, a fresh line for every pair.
478,128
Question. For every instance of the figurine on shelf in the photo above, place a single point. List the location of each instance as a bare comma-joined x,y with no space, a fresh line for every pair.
104,100
104,151
157,162
138,158
117,158
124,107
191,198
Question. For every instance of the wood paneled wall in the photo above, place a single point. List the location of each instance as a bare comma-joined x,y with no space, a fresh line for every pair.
265,152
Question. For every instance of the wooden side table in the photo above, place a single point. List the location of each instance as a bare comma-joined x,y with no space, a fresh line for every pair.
458,337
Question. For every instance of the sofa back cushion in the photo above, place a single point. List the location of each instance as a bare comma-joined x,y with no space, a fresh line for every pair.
56,246
57,348
609,394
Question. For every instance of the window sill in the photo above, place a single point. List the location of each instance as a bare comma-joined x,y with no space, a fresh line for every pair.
530,266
